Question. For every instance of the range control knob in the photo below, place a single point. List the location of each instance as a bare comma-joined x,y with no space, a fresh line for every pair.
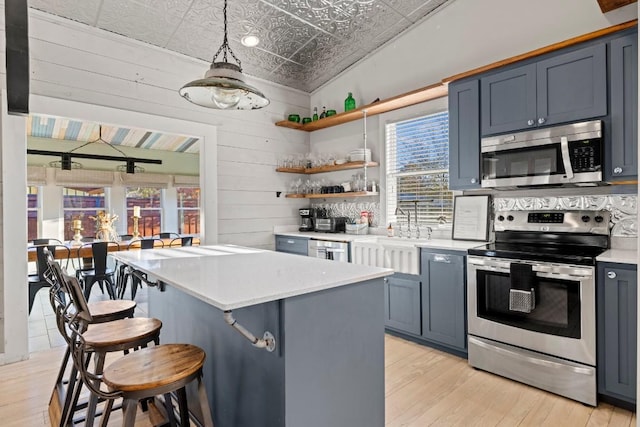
510,218
586,218
500,218
598,218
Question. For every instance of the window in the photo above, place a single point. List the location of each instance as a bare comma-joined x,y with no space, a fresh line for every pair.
148,199
417,169
188,210
82,203
32,213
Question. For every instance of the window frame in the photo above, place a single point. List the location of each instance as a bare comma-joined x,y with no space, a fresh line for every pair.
86,218
159,209
391,199
181,210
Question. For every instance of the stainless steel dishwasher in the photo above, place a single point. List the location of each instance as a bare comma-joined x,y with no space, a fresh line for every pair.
326,249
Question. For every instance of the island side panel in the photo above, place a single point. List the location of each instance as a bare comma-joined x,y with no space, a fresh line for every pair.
334,365
245,385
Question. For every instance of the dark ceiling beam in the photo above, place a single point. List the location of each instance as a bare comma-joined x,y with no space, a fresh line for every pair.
609,5
93,156
17,55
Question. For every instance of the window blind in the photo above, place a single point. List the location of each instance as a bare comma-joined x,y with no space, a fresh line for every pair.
417,169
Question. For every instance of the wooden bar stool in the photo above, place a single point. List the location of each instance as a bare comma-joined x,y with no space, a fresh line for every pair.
158,370
102,311
123,334
161,369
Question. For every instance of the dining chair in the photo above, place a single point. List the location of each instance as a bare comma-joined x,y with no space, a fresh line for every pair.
100,272
125,274
39,280
182,241
43,241
168,235
126,237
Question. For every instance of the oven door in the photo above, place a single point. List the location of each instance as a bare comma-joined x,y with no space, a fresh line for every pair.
562,322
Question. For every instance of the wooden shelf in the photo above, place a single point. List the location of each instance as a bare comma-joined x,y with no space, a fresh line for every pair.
405,100
332,195
332,168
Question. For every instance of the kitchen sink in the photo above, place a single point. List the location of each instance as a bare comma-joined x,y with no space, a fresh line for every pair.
400,254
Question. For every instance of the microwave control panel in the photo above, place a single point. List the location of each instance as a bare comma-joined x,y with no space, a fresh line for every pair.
585,155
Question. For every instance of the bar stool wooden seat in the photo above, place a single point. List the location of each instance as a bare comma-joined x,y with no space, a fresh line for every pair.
158,370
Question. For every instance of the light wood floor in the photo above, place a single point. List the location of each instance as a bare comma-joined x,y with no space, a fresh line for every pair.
424,387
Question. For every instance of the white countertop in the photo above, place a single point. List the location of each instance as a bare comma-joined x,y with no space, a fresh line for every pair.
334,237
230,277
624,256
459,245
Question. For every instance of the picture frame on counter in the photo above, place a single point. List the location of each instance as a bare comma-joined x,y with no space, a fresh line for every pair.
471,217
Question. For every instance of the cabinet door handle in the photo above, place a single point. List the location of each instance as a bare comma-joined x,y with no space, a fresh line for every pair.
441,258
611,275
474,180
617,169
291,242
541,120
530,122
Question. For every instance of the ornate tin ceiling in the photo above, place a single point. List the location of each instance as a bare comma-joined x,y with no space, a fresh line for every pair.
303,43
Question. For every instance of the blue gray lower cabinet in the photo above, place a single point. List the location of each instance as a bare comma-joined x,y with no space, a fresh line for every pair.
292,245
617,292
431,308
402,302
327,370
444,298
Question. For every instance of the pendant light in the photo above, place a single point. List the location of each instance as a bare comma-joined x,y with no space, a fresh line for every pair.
223,86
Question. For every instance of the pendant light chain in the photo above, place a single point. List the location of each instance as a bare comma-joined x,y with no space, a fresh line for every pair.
225,42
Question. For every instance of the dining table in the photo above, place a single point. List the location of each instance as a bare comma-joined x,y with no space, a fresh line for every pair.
85,250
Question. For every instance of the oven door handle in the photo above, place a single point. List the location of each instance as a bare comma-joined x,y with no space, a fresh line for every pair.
543,270
566,160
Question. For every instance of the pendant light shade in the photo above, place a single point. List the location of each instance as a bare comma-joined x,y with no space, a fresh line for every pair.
223,88
223,85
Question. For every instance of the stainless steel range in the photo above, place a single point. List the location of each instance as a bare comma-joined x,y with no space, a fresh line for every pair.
531,300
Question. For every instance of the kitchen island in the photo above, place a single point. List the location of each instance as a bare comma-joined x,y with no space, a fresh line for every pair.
327,368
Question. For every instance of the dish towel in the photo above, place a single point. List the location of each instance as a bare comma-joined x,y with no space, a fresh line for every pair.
522,295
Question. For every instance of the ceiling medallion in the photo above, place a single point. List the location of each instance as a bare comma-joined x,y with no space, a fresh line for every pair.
223,86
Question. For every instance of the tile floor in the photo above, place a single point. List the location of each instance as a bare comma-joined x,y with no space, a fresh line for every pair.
43,332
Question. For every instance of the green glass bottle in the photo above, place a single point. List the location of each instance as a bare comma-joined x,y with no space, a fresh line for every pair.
315,113
349,103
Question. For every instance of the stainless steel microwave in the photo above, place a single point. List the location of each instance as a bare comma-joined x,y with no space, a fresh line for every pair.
568,154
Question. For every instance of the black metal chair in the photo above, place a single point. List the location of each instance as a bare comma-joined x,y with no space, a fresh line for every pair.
100,272
126,274
168,235
126,237
40,242
39,280
182,241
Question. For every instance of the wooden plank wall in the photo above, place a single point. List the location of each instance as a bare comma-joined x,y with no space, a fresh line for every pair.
79,63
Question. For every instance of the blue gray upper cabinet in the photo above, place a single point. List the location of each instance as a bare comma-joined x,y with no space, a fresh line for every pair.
464,135
622,160
564,87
